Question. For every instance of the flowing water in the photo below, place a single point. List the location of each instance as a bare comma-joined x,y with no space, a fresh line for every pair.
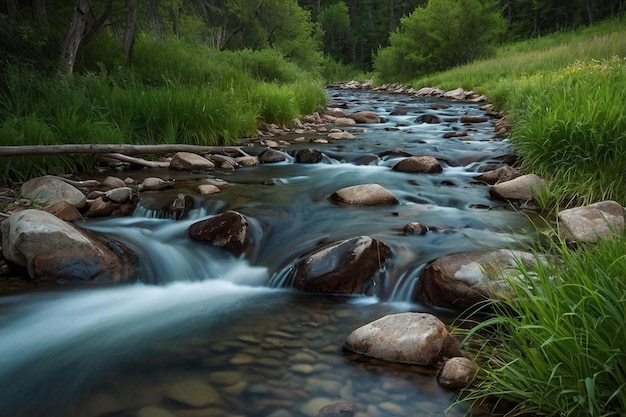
209,334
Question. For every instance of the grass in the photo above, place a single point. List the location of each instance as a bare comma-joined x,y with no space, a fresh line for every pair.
564,97
176,93
557,348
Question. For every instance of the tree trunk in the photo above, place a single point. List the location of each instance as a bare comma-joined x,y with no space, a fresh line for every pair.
11,6
39,12
131,31
590,11
74,35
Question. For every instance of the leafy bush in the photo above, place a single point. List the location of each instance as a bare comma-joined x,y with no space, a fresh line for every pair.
443,34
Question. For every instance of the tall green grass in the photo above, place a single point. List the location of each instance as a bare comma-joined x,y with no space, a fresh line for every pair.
558,348
564,95
175,93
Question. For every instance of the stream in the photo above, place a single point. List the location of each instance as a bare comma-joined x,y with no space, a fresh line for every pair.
208,334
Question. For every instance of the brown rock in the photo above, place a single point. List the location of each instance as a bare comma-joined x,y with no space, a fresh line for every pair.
466,118
500,174
338,409
457,372
521,188
347,267
365,117
64,211
270,156
229,230
419,164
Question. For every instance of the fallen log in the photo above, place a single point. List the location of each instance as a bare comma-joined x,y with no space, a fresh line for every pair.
116,149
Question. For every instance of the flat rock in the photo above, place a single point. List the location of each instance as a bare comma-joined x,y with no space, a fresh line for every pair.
364,195
416,338
419,164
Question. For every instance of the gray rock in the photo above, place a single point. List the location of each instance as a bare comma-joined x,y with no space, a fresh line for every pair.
186,161
54,250
113,182
364,195
120,195
462,280
49,190
521,188
419,164
347,267
590,223
416,338
153,184
457,372
338,409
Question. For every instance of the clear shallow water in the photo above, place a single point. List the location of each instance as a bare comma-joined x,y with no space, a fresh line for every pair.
234,325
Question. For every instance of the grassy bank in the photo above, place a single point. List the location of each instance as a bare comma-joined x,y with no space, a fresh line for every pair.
564,96
175,93
557,348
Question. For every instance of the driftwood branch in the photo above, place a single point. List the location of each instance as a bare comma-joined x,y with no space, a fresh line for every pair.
116,149
136,161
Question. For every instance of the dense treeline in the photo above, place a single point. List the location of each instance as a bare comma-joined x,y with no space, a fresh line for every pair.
348,31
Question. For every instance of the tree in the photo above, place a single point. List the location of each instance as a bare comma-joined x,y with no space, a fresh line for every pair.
443,34
335,22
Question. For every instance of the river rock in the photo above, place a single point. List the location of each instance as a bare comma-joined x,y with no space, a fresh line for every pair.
99,207
54,250
247,161
347,267
364,195
338,409
416,338
464,279
343,121
229,230
365,117
521,188
271,156
207,189
467,118
64,211
120,195
419,164
457,372
308,156
428,119
153,184
181,205
113,182
223,162
500,174
187,161
587,224
49,190
193,393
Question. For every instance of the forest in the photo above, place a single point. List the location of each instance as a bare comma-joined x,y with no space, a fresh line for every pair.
349,32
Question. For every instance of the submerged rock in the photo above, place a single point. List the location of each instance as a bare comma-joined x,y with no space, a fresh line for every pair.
416,338
54,250
347,267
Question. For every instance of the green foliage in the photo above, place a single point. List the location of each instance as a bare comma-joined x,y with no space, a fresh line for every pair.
569,126
443,34
557,347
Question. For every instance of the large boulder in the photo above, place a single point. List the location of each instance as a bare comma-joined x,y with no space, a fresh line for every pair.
419,164
48,190
54,250
464,279
587,224
416,338
229,230
364,195
521,188
347,267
